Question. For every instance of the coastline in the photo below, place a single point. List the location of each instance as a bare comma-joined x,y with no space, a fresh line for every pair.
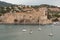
30,15
22,24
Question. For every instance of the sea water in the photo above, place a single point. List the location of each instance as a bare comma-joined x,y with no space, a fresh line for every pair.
14,32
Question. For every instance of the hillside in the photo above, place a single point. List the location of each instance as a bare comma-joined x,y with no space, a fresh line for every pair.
5,4
22,14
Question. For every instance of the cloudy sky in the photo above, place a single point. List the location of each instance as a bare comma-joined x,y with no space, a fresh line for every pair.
34,2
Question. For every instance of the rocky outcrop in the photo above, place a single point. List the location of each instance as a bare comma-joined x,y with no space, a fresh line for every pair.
29,17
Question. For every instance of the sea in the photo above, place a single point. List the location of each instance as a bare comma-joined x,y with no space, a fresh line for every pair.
32,32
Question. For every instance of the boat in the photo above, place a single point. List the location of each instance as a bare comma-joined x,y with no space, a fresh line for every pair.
50,35
24,30
31,32
39,29
55,22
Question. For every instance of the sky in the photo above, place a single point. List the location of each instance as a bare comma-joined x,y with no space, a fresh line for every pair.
34,2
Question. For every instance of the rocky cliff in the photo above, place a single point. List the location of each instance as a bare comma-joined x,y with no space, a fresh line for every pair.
30,15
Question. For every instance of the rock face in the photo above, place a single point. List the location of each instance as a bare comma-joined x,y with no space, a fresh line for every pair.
31,16
44,14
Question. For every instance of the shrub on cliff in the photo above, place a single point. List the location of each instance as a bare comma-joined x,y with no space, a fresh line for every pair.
8,9
48,6
2,10
52,14
35,7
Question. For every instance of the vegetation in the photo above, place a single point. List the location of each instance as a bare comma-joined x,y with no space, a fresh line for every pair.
48,6
35,7
53,14
2,10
